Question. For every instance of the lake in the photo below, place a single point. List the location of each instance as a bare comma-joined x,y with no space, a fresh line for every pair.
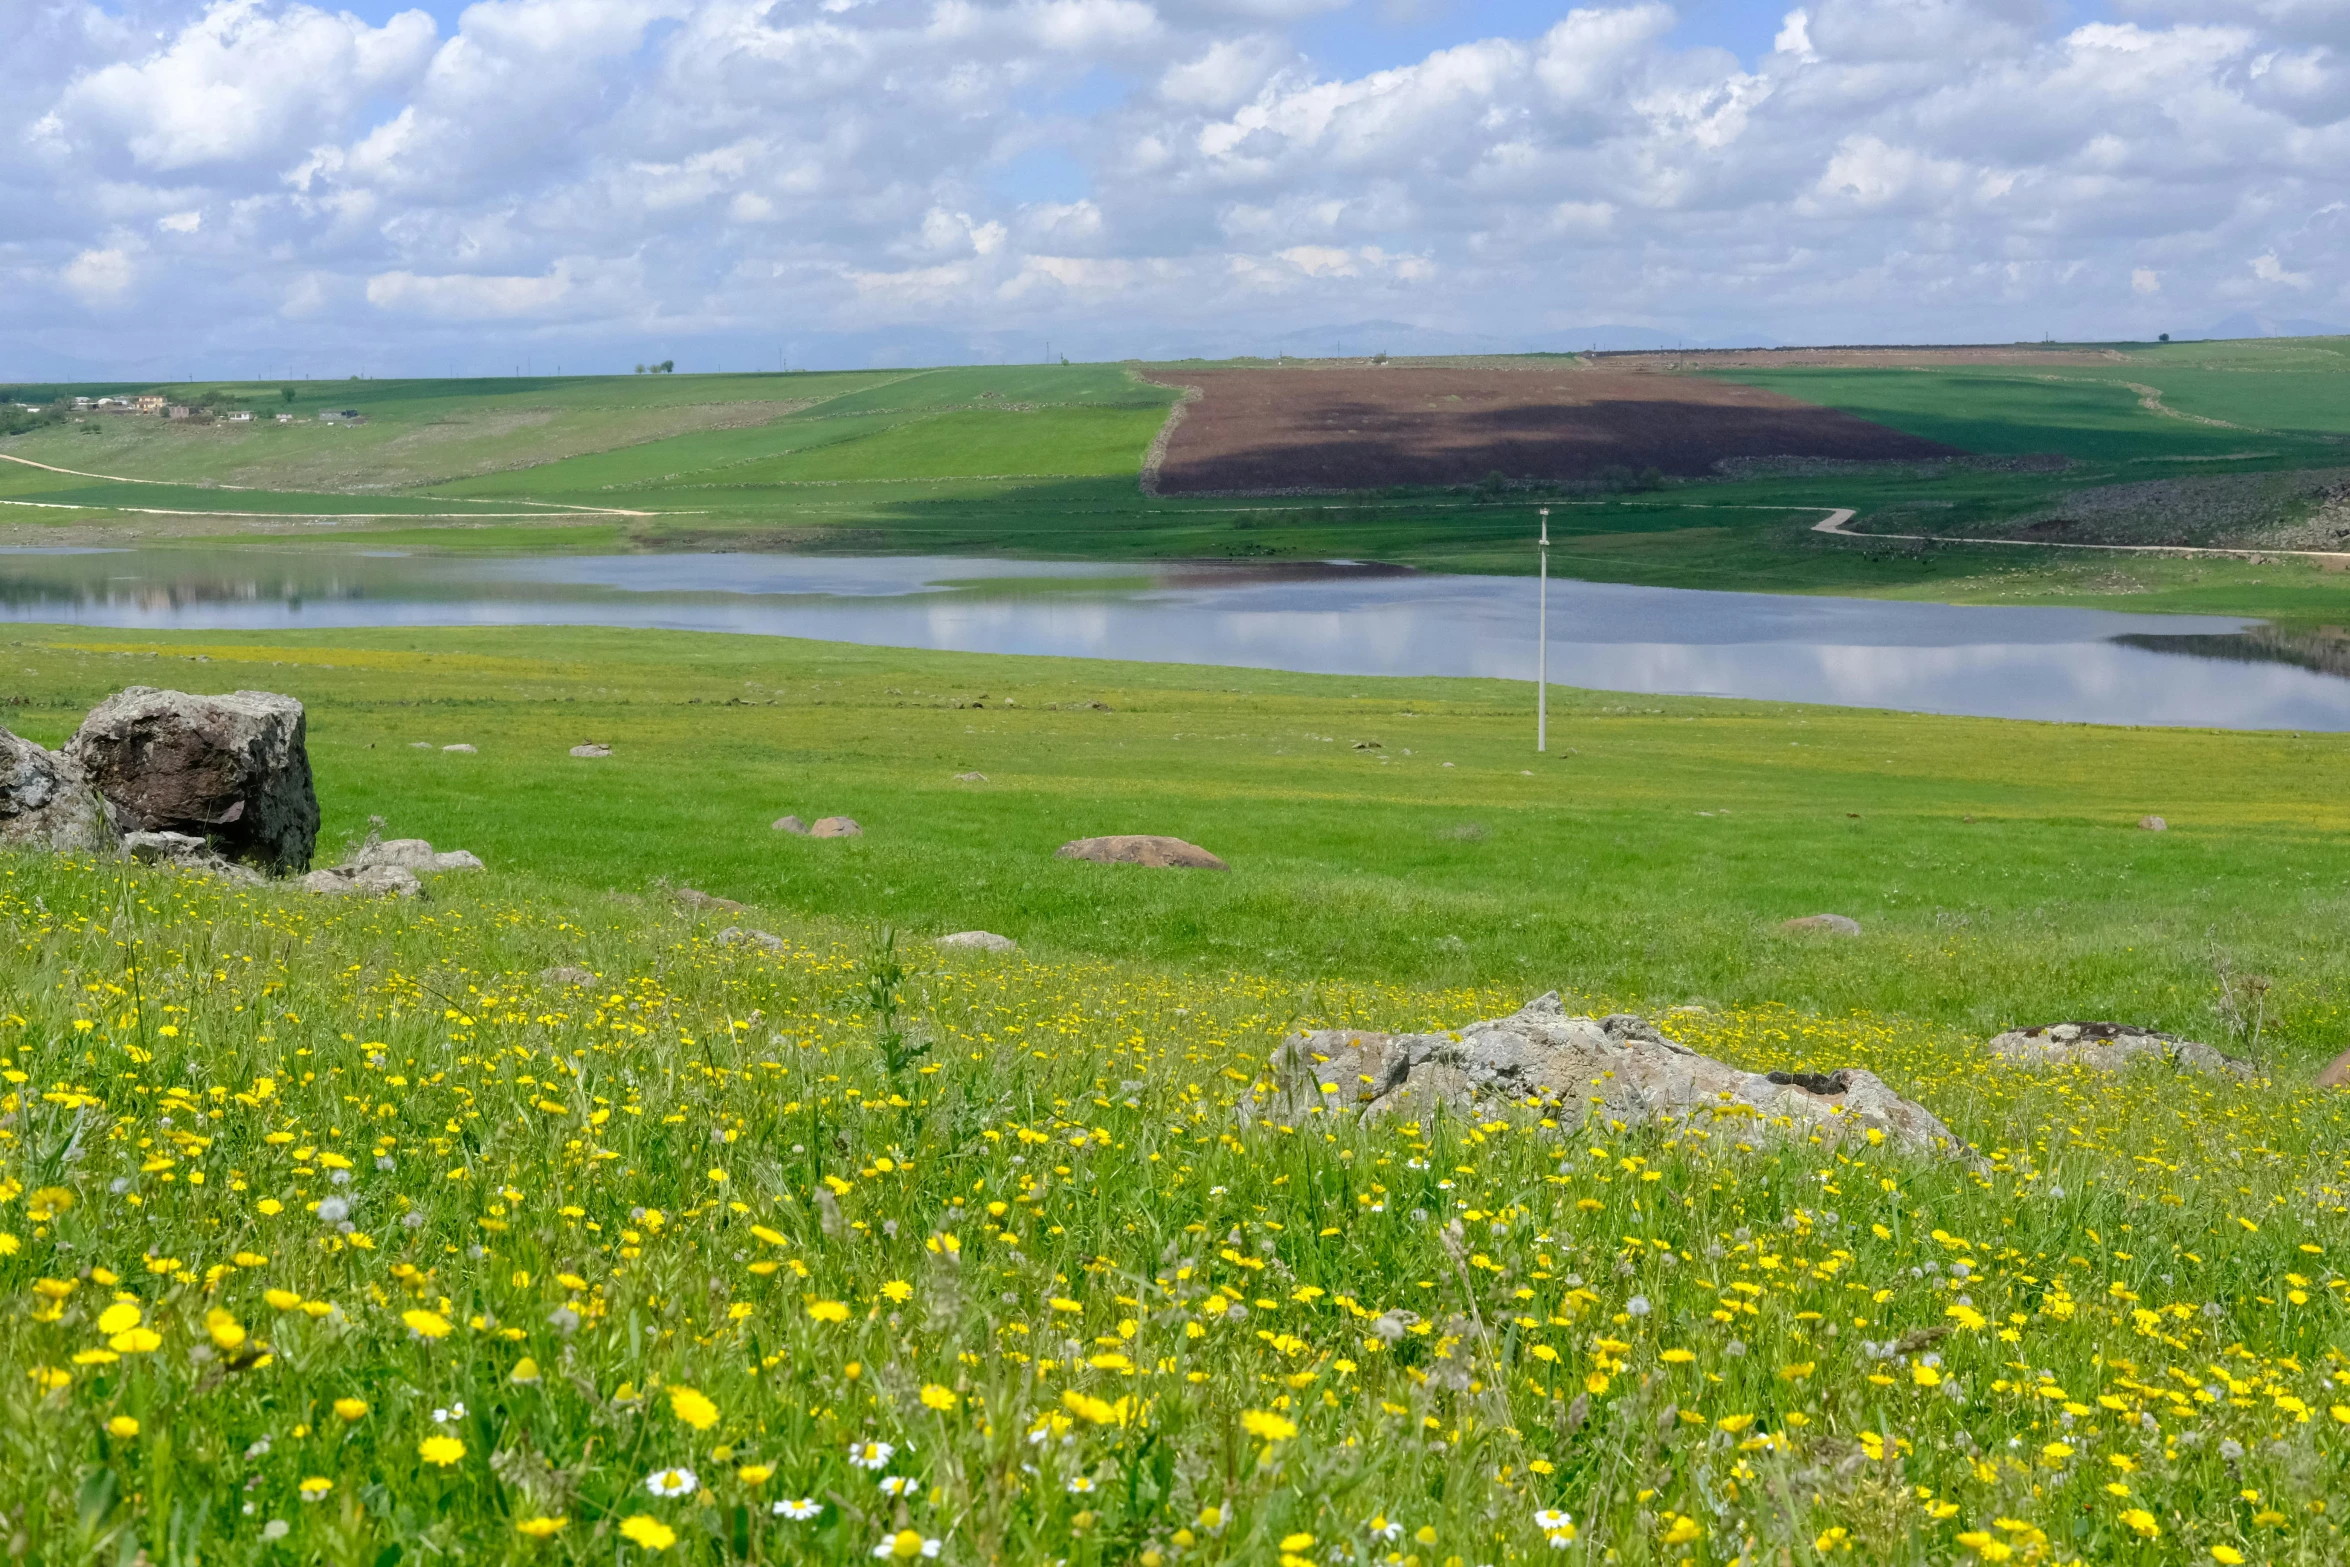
2073,665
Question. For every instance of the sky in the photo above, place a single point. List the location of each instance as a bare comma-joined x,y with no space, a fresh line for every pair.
267,187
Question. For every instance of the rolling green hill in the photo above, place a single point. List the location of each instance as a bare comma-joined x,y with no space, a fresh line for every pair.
1043,459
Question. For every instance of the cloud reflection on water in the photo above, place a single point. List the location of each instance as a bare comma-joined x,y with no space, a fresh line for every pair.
2017,662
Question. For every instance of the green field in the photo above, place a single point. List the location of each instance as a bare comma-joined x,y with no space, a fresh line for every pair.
1652,854
614,1199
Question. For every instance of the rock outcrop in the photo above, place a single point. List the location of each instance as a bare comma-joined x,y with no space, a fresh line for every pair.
765,940
370,881
46,803
388,868
1141,849
1619,1067
978,941
836,827
2109,1047
413,854
232,770
792,825
694,900
2335,1073
591,750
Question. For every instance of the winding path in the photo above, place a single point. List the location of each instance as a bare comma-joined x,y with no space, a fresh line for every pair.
1834,525
541,507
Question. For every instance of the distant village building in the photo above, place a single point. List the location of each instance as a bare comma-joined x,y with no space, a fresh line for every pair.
151,405
342,416
285,418
241,416
179,411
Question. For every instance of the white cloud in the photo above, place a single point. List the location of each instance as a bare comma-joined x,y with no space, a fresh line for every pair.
101,277
241,82
2270,270
716,170
466,297
1795,37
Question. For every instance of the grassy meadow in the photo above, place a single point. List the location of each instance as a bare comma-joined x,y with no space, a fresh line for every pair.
533,1222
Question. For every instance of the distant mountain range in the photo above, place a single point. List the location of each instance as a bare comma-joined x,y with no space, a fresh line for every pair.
2245,324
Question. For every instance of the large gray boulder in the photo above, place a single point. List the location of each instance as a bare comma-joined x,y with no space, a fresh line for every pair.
1619,1067
2109,1047
46,803
233,770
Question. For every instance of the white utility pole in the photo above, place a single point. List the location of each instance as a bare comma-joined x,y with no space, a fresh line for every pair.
1542,647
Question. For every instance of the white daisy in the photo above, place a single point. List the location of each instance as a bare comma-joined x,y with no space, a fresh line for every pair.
805,1508
870,1455
671,1482
897,1485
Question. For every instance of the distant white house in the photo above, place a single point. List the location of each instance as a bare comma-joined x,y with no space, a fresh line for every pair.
179,411
285,418
241,416
342,416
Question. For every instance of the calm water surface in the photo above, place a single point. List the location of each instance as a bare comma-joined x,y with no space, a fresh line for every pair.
1332,618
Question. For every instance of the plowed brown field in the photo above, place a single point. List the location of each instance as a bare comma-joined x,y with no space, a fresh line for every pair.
1352,429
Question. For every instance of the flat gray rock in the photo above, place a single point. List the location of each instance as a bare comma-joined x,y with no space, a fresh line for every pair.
836,827
414,854
735,936
591,749
1147,849
1825,924
373,881
185,851
978,941
1577,1068
791,824
2109,1047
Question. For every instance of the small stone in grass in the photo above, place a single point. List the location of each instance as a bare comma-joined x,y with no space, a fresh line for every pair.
978,941
970,777
460,747
791,824
1827,924
591,749
2154,824
836,827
